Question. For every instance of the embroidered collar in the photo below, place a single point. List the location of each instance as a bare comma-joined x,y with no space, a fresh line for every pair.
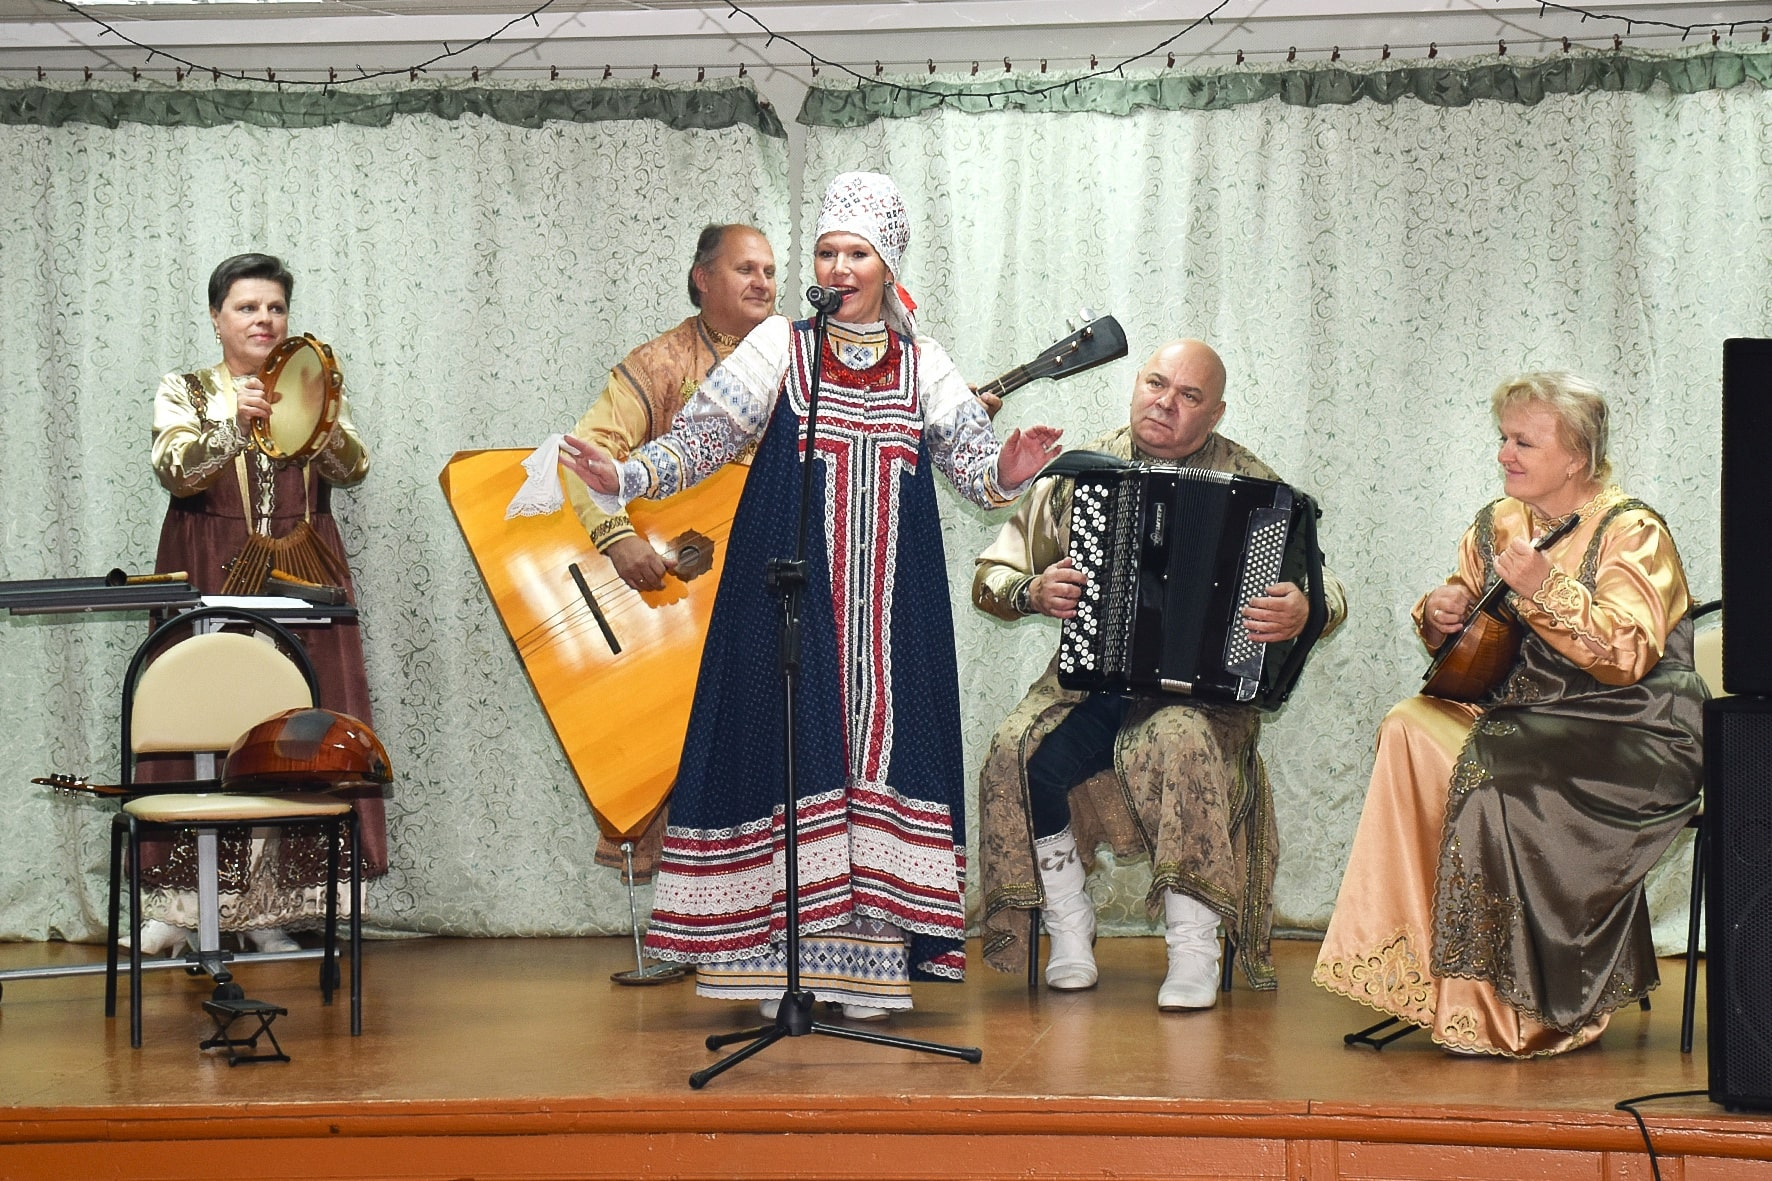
1542,524
864,355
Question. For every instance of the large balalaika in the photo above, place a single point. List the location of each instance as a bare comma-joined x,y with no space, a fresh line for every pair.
1173,555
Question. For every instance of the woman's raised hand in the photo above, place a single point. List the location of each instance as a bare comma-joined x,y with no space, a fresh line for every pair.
250,403
1025,452
590,464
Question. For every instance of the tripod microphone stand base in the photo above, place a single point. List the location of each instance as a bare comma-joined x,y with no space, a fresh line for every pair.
794,1019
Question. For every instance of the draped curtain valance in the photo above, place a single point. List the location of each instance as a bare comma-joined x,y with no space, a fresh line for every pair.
196,102
1443,84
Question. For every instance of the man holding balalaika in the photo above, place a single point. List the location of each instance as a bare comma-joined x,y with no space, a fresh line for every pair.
1185,577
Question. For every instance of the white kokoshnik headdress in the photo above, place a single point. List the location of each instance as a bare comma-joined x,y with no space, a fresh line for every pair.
868,205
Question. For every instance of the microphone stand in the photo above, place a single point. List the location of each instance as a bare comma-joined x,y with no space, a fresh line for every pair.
786,579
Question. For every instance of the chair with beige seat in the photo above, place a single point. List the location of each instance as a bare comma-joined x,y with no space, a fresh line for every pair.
193,689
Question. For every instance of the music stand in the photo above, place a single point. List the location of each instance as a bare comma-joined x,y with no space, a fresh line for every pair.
786,578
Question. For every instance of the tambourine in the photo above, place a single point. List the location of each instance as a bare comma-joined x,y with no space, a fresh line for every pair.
304,386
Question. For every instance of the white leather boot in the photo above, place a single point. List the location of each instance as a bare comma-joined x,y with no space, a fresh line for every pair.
272,939
1068,914
160,938
1192,938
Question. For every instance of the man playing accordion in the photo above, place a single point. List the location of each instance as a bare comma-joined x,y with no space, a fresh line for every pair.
1177,780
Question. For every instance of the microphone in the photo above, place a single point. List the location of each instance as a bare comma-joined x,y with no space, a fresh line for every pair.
824,299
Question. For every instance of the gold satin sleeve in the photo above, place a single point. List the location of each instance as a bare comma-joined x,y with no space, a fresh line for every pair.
616,422
1618,632
192,449
1026,544
344,460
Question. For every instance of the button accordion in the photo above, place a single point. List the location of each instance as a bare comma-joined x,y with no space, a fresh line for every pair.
1173,555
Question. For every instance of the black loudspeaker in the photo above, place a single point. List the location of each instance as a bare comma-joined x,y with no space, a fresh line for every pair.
1747,513
1738,898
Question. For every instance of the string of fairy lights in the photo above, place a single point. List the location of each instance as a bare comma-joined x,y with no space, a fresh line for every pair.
1615,26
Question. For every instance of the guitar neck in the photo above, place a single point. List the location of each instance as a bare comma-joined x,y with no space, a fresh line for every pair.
1490,598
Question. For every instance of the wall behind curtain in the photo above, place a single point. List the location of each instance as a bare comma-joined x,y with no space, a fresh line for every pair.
1369,271
478,274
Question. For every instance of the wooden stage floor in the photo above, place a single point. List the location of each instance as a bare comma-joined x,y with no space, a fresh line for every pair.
518,1058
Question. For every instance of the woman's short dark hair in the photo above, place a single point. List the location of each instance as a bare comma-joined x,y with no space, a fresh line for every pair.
707,249
247,266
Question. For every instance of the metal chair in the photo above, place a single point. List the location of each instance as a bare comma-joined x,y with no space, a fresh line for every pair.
191,689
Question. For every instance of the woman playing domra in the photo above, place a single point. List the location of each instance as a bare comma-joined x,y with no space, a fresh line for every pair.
1494,891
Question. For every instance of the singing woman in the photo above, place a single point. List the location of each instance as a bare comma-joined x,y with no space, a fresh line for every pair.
1494,895
878,762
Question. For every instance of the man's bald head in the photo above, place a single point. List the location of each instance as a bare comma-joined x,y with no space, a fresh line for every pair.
1177,399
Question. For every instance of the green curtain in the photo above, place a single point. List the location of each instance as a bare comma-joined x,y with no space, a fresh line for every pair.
479,257
1369,271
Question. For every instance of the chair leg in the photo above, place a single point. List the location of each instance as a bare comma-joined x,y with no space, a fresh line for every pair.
135,935
356,925
329,940
1034,949
1688,1006
111,923
1230,962
330,926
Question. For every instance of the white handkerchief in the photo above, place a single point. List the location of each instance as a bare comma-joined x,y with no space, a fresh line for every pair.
542,492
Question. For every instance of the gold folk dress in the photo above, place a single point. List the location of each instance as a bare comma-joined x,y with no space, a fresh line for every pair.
1494,891
204,462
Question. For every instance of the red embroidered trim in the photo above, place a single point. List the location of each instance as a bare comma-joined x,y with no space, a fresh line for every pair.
881,375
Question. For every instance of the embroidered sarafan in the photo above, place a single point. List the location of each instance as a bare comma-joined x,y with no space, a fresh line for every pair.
878,757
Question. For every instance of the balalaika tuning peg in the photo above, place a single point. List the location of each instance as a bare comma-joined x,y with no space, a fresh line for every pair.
1088,315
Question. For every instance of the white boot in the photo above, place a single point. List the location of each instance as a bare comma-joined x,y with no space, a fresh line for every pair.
1068,914
160,938
272,939
1192,938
